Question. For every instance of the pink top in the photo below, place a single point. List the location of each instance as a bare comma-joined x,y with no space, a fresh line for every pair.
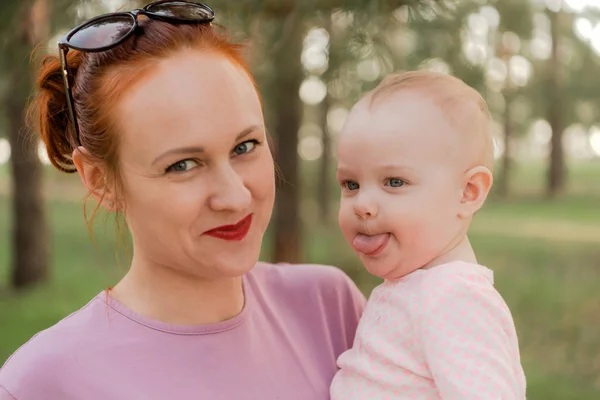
440,333
296,321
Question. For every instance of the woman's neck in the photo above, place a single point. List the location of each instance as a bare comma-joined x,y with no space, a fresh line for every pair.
171,296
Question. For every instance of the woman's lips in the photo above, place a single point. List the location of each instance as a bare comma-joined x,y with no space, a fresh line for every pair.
235,232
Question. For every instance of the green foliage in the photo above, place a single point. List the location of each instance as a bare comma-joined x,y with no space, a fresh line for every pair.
16,55
515,16
442,39
579,65
279,8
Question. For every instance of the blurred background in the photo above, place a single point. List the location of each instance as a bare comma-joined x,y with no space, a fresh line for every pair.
537,63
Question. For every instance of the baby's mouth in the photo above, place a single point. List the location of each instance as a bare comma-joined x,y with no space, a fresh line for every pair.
370,245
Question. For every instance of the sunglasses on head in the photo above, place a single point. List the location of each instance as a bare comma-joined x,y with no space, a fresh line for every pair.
107,31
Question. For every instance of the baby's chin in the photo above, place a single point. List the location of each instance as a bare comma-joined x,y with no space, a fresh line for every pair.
384,269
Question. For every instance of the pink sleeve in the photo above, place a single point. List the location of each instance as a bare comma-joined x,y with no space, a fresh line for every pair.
4,395
353,305
470,342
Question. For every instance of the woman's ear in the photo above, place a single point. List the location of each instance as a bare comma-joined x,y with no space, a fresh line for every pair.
477,184
94,177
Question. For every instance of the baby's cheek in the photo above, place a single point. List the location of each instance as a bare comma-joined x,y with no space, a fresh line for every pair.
410,229
345,219
404,217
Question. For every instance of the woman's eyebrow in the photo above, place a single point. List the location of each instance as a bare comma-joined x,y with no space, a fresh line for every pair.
198,149
248,131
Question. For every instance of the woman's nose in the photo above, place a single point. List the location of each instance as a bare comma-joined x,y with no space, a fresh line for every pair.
230,192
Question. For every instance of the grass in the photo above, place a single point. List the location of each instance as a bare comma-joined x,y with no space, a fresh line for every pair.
545,254
78,270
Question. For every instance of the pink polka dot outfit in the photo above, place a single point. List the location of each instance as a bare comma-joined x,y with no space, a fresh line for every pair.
438,333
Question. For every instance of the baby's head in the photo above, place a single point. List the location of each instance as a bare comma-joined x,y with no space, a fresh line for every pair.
415,160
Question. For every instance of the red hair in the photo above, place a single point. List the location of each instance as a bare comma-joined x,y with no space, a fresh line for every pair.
100,79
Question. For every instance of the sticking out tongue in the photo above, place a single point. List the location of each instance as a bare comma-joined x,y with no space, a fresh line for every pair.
367,244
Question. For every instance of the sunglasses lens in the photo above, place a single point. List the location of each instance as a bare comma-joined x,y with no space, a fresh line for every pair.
182,10
102,32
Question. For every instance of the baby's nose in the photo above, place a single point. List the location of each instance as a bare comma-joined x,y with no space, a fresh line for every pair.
365,208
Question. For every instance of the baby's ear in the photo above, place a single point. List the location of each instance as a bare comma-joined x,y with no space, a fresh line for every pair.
477,184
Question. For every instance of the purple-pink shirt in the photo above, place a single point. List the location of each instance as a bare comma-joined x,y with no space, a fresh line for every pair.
296,321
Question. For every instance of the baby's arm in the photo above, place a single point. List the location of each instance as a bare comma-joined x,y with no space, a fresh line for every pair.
470,342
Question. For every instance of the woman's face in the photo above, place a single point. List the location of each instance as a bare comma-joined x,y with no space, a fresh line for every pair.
196,170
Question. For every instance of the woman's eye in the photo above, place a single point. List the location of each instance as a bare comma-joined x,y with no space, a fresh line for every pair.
182,166
245,147
351,185
395,182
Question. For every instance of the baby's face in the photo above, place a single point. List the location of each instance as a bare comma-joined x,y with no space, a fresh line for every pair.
402,179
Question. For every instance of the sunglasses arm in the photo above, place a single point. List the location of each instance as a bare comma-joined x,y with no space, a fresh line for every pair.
63,50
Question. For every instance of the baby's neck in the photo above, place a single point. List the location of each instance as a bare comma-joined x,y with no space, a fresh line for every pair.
462,251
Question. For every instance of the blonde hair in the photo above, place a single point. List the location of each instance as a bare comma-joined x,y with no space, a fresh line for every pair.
460,103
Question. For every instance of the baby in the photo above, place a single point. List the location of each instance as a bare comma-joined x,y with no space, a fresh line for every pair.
415,161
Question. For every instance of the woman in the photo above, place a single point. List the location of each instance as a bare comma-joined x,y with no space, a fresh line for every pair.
167,128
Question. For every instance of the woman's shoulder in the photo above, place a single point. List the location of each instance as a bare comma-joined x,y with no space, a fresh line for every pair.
303,276
320,298
34,364
310,281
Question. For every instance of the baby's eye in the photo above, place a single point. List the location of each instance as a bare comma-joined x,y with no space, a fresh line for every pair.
182,166
395,182
245,147
350,185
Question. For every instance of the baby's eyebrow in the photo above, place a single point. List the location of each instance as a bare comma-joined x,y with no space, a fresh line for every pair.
396,167
342,171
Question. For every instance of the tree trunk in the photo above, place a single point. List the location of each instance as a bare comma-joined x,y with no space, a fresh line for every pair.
324,173
556,170
29,234
324,184
507,156
506,164
288,77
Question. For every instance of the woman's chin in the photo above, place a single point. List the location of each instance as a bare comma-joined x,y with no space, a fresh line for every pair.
237,270
233,264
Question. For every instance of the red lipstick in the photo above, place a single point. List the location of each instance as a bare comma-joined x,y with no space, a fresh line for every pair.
236,231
